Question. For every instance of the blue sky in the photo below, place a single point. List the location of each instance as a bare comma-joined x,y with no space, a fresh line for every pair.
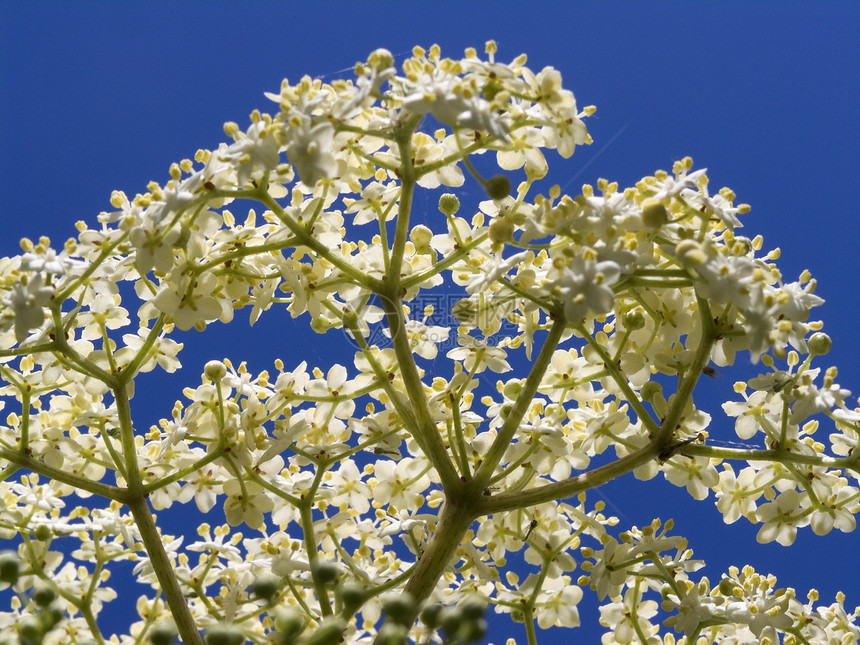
766,95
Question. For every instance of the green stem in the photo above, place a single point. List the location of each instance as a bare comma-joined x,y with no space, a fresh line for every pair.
512,423
17,459
426,432
456,516
136,501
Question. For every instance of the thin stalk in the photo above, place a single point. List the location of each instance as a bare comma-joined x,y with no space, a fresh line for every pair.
524,399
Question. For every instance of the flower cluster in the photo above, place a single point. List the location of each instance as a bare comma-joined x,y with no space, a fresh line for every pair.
380,499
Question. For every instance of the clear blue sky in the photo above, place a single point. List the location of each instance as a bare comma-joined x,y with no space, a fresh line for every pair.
101,96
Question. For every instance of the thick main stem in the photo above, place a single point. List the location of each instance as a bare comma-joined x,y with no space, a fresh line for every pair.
454,520
163,568
149,535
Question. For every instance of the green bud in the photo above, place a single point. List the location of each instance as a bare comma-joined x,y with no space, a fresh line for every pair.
391,634
430,615
224,635
399,607
43,533
325,572
162,635
727,587
650,390
633,320
266,587
498,187
449,204
819,344
44,595
654,213
289,623
30,631
512,389
472,631
215,370
350,593
51,616
184,236
10,566
450,620
472,608
465,311
501,230
330,632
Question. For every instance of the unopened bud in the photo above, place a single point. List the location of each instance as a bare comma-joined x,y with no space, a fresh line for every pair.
266,587
498,187
215,370
654,213
501,229
325,572
10,566
449,204
633,320
289,622
399,607
819,344
224,635
421,236
162,635
690,253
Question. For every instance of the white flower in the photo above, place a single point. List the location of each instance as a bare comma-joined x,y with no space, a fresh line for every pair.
253,153
447,102
477,355
27,301
585,286
310,151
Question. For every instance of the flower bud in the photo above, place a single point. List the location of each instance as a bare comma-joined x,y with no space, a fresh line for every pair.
215,370
819,344
450,619
498,187
181,242
162,635
472,608
431,614
350,593
654,213
329,632
10,566
43,533
224,634
30,631
633,320
690,253
449,204
391,634
421,236
265,587
380,59
325,572
728,586
501,230
512,389
44,595
289,623
650,390
399,607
